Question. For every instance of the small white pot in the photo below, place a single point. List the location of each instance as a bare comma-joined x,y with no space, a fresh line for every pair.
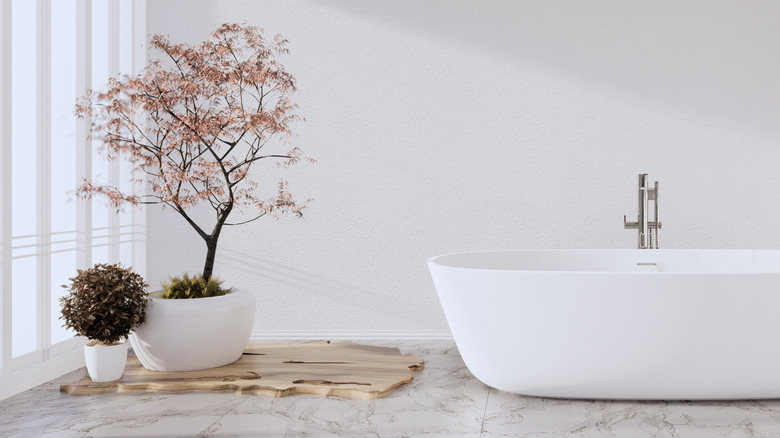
106,363
195,333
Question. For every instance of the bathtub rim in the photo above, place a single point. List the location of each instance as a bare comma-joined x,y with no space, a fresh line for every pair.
432,262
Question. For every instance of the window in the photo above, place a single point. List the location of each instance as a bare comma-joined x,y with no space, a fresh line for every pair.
54,50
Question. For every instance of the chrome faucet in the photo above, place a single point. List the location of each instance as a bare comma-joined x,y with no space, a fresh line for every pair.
646,227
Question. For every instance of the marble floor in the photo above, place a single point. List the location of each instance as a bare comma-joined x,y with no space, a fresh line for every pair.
443,400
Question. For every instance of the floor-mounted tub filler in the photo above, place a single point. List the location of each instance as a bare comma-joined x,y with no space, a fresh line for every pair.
617,324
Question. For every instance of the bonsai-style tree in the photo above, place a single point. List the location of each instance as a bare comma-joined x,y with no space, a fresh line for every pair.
195,122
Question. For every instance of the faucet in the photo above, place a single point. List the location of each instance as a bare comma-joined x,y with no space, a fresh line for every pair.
645,226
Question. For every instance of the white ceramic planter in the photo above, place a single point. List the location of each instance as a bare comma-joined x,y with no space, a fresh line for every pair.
194,334
106,363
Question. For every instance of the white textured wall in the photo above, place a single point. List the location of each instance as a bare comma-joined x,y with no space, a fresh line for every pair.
444,126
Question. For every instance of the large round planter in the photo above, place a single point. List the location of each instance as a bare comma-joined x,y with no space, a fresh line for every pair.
194,334
105,363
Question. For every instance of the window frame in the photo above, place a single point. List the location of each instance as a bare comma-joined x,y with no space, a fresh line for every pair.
49,360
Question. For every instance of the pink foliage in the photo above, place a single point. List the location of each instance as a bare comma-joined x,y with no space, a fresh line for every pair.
194,123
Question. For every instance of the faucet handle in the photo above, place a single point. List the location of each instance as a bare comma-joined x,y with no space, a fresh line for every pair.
630,225
652,193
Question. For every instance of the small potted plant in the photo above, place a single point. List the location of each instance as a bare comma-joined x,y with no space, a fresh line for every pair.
105,303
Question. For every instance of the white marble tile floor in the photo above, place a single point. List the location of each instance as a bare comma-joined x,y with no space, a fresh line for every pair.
443,400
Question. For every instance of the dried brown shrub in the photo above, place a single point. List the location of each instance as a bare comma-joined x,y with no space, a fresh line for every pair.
105,302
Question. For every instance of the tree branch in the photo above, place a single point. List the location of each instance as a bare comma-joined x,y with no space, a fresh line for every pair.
252,160
246,222
191,222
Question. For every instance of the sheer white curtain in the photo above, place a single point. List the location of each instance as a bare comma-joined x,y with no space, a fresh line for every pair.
53,50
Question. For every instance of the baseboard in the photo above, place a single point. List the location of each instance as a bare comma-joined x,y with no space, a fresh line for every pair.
36,374
305,335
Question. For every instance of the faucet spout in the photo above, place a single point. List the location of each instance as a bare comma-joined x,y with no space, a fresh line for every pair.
647,229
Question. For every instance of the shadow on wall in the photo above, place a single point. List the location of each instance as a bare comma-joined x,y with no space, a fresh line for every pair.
268,270
264,276
717,59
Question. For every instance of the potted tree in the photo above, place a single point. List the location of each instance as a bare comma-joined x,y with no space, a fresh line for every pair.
194,124
104,304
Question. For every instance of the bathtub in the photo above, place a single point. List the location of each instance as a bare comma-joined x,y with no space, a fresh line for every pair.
617,324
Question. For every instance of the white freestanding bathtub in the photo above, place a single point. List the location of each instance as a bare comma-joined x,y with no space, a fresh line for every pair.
617,324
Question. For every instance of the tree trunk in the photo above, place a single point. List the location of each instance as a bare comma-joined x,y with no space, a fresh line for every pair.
212,239
211,253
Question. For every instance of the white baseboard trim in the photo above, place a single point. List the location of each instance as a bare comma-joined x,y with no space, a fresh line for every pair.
306,335
30,376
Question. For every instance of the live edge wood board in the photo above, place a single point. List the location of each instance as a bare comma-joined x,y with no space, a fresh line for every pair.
343,369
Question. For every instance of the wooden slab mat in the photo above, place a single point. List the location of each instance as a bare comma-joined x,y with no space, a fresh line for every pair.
343,369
